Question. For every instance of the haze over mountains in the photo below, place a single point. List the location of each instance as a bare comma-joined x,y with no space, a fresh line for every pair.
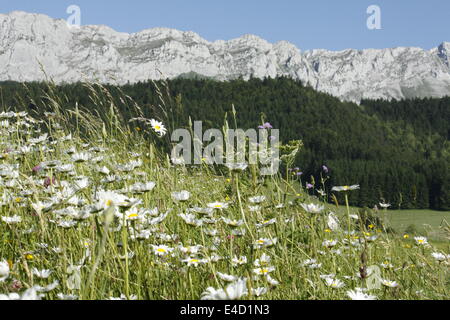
31,43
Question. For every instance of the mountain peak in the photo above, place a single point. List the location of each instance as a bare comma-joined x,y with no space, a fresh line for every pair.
444,53
98,53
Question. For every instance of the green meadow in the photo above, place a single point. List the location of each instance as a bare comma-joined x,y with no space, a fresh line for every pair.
93,208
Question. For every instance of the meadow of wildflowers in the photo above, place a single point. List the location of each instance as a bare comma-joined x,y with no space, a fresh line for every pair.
108,215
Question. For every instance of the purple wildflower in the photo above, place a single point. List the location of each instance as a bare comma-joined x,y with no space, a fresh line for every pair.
266,125
49,182
37,169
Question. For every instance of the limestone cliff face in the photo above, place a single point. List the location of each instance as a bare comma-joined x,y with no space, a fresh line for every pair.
33,43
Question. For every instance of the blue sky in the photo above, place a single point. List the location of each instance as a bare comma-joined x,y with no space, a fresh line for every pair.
328,24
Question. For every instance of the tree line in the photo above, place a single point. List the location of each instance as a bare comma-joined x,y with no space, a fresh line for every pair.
397,151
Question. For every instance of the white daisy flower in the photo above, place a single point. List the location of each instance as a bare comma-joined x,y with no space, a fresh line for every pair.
439,256
234,291
239,261
259,291
311,263
334,283
192,250
389,283
4,270
254,208
345,188
194,261
266,223
257,199
107,199
264,242
271,280
227,277
43,274
421,241
360,295
329,243
12,220
387,265
142,187
62,296
181,196
29,294
312,208
233,223
158,127
66,224
218,205
81,157
191,219
263,271
161,250
103,170
52,286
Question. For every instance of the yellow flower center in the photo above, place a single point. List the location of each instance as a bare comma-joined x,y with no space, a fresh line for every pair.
161,250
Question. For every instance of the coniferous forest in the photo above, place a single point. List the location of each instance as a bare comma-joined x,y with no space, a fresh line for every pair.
398,151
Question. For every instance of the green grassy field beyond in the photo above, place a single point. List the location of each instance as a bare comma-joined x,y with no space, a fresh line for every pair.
424,221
